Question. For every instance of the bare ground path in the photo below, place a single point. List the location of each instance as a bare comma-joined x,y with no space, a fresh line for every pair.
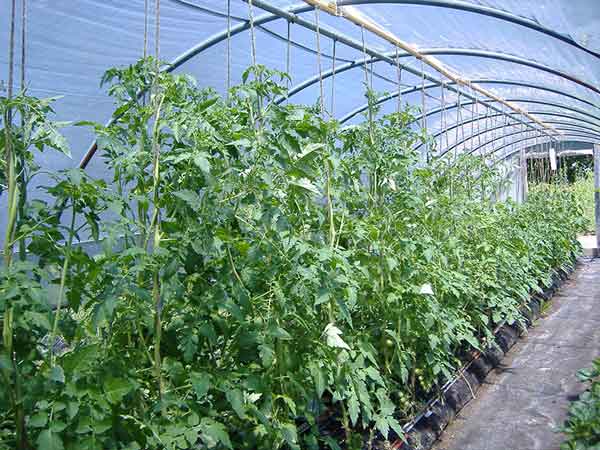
523,402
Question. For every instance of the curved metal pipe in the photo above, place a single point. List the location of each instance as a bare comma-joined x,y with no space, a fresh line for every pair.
483,117
585,133
394,95
540,102
479,133
544,140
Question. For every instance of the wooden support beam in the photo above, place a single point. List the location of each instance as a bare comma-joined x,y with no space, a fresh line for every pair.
353,15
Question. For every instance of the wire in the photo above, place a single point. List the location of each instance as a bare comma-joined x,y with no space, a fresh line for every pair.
321,90
364,49
228,85
11,57
157,33
145,49
288,61
252,34
399,77
333,51
23,41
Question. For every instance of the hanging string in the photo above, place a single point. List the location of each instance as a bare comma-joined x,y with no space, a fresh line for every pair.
457,127
23,41
364,49
487,127
321,90
11,59
252,36
443,118
288,56
370,111
504,129
22,166
157,32
473,109
371,75
424,115
478,129
399,77
145,49
333,50
494,131
228,85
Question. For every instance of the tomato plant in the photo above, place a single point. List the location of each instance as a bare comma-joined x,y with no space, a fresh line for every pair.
262,271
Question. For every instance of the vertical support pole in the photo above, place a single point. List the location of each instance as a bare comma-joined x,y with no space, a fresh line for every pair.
597,193
523,175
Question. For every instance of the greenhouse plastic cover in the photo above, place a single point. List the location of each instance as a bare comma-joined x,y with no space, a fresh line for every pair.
69,44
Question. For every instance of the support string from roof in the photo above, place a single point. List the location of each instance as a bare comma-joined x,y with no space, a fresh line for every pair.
228,51
457,128
370,109
443,114
424,115
364,50
399,79
22,166
145,47
11,59
157,32
473,108
333,51
288,56
23,41
319,68
252,32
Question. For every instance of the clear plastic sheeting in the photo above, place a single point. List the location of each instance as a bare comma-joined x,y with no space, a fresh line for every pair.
70,44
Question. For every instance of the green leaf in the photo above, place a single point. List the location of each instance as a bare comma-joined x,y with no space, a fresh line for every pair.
47,440
201,160
38,420
267,355
353,408
236,400
306,184
38,319
57,374
290,433
279,333
319,378
117,388
213,433
200,383
332,334
190,197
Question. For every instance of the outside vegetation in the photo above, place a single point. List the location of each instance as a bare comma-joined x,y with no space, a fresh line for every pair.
583,426
583,188
267,279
